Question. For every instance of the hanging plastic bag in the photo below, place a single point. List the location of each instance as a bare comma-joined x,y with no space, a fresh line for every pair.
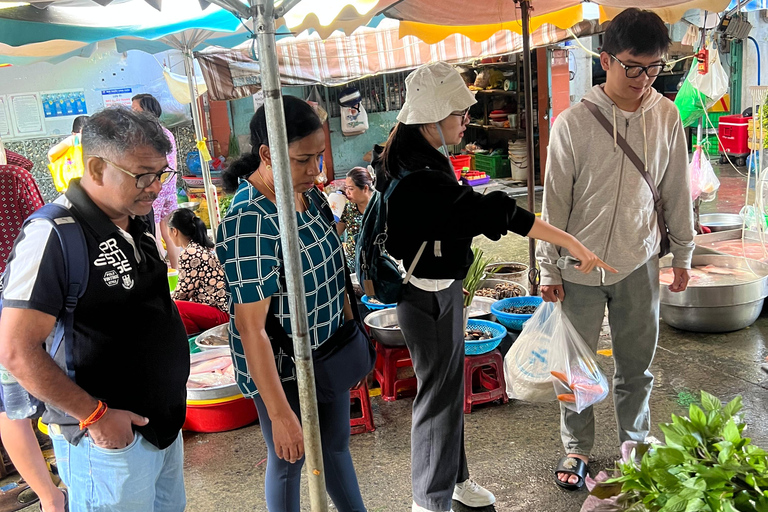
550,361
67,166
704,181
354,118
700,92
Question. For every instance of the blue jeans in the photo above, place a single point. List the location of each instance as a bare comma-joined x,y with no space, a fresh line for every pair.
283,479
137,478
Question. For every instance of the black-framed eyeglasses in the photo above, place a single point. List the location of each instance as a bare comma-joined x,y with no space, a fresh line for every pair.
463,114
652,71
144,180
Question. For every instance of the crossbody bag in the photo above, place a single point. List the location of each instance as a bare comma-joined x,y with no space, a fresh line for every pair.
638,163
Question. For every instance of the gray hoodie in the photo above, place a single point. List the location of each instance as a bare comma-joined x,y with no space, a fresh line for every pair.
594,192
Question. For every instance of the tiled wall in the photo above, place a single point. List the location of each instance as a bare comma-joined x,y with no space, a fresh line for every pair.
37,151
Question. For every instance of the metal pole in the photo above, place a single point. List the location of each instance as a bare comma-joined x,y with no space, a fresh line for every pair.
525,18
263,15
213,207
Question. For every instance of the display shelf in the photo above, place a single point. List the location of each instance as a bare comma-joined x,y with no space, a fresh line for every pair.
499,92
495,128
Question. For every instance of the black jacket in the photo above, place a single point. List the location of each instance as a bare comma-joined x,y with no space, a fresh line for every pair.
430,205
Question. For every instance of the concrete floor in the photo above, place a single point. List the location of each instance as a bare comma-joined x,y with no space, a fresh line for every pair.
512,448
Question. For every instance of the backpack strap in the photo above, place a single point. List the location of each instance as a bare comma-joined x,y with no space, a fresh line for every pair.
75,251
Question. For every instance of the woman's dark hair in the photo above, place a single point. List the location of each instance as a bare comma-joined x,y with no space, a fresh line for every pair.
191,226
78,123
361,177
149,103
300,121
638,32
408,149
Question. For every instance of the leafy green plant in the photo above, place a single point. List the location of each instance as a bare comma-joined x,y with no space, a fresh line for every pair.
476,274
224,202
706,465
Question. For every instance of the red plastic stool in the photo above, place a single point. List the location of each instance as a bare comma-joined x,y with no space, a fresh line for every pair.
365,422
388,360
487,372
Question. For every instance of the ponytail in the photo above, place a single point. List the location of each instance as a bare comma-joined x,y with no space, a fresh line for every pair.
300,121
191,226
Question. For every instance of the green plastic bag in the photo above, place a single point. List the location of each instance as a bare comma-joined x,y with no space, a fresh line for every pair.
690,102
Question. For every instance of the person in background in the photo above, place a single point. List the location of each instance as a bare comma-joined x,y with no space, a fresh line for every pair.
61,179
358,189
167,202
594,191
249,247
430,206
201,294
115,415
19,198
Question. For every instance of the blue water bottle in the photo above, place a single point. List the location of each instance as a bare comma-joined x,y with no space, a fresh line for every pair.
16,400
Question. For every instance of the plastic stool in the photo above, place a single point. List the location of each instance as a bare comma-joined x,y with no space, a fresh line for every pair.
388,360
487,371
365,422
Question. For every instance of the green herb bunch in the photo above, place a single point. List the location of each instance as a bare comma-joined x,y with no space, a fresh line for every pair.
706,465
476,274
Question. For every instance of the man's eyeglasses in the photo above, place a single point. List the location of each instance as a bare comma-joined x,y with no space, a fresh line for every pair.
146,179
463,114
652,71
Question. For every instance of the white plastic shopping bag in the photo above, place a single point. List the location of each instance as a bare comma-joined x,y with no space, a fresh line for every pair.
549,361
704,181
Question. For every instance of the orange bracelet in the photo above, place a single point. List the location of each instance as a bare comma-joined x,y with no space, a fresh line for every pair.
101,410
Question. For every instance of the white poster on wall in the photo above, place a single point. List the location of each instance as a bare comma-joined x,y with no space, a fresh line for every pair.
258,100
117,97
6,131
27,114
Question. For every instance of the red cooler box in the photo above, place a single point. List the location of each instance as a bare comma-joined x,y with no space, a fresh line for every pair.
733,135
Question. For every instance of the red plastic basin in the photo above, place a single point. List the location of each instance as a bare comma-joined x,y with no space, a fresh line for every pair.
220,416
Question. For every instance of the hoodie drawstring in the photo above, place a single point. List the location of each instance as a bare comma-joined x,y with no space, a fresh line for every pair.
615,136
645,140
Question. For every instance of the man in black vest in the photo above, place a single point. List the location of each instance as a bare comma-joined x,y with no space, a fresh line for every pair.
115,414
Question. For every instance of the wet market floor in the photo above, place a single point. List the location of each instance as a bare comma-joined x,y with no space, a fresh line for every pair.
512,448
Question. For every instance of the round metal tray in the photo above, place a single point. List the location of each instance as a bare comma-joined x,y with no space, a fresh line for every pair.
378,322
716,308
721,221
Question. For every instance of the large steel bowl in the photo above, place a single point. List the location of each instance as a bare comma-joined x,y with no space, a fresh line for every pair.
491,283
384,327
716,308
721,221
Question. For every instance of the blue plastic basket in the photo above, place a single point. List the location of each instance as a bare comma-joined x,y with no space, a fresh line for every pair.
475,348
375,307
512,321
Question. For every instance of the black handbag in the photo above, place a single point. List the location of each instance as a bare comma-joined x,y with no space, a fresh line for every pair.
345,358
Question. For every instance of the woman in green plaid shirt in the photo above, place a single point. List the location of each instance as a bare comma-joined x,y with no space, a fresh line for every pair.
248,245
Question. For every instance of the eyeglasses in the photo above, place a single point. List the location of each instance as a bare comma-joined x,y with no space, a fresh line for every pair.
464,115
652,71
144,180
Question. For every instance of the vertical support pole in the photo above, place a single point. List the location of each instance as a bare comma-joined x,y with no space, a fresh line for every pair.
213,206
525,8
263,14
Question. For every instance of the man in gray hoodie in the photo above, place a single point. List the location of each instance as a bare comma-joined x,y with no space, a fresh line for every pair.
595,192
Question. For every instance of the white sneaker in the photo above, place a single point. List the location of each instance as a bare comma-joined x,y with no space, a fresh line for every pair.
473,495
416,508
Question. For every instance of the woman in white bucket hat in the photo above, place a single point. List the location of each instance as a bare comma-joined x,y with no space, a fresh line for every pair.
429,205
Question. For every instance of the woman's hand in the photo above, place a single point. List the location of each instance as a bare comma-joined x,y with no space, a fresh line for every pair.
288,437
587,259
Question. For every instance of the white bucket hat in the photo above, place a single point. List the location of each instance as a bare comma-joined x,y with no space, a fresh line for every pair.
432,92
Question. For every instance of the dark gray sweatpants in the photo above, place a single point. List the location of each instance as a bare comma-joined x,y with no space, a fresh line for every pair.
633,314
433,325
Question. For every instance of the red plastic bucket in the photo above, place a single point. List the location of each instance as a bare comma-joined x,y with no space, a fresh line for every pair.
461,161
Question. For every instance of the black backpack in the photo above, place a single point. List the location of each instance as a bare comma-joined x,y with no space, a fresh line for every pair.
380,275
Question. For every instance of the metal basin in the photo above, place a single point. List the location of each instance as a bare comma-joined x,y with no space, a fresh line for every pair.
519,275
491,283
190,205
719,308
384,327
481,308
721,221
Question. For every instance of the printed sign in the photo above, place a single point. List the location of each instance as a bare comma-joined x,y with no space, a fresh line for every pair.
27,114
5,121
117,97
64,103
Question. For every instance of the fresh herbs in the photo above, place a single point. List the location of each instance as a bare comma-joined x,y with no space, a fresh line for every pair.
706,465
476,274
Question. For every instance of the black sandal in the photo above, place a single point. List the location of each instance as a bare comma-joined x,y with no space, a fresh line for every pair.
571,466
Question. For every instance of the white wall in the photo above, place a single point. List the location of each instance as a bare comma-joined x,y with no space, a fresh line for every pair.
581,63
749,71
106,69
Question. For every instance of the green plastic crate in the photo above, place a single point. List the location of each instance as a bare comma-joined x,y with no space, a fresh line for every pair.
496,166
709,144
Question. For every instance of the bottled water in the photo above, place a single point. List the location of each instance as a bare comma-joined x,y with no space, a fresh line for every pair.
16,400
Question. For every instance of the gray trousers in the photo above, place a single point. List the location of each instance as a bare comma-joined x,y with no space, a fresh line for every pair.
433,325
633,315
